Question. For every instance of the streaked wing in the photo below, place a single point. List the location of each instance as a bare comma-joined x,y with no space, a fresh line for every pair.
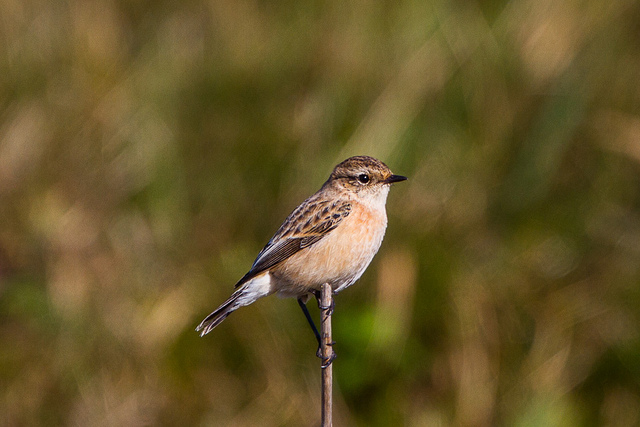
308,224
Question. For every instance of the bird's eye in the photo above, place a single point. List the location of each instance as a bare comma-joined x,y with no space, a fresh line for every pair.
363,178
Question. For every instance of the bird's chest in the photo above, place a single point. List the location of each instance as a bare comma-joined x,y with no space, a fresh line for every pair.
358,239
346,252
339,258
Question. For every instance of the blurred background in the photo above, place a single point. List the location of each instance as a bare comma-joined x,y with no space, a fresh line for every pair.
148,150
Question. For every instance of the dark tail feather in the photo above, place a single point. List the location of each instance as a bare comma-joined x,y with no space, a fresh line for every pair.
220,313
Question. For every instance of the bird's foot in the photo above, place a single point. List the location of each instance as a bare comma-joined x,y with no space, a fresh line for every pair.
326,361
329,360
329,308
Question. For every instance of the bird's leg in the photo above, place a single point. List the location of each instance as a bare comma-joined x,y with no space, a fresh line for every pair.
303,306
328,312
327,362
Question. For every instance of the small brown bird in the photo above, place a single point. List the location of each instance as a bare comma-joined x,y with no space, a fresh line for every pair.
330,238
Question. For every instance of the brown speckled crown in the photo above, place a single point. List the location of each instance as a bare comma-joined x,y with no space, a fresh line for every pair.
354,164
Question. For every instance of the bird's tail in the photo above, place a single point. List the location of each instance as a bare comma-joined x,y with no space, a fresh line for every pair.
247,293
220,313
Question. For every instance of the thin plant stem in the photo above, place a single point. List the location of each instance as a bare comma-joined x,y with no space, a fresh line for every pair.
326,348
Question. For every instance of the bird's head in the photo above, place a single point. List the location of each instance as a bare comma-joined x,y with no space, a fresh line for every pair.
364,176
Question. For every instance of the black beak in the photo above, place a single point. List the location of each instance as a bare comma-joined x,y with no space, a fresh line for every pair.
395,178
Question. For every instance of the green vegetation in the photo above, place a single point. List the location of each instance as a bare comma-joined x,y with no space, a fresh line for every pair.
148,150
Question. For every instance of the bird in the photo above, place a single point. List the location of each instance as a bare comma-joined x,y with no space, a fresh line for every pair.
331,238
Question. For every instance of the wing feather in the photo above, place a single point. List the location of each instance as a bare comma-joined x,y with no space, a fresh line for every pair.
307,225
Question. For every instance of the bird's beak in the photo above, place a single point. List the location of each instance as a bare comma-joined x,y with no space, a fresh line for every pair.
395,178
